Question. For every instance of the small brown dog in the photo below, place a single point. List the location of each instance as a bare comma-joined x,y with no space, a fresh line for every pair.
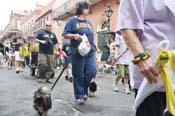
42,101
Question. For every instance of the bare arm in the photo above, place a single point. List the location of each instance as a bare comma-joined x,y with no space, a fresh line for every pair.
64,54
19,41
146,67
132,41
72,36
40,41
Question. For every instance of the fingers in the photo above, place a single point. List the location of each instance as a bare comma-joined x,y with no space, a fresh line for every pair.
150,75
77,37
155,72
150,72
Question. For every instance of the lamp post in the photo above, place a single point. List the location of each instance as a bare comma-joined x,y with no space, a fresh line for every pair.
107,34
108,13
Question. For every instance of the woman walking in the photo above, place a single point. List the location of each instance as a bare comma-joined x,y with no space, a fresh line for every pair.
83,67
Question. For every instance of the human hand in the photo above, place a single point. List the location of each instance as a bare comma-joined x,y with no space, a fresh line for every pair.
42,41
45,42
20,41
99,51
149,70
77,37
114,61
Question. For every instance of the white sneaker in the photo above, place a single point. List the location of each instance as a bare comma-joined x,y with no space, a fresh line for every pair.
39,80
126,89
115,87
21,70
58,68
80,101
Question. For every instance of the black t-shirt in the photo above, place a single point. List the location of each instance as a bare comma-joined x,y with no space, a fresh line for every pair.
50,39
18,45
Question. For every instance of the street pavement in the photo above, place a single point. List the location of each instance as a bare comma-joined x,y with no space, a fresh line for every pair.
16,97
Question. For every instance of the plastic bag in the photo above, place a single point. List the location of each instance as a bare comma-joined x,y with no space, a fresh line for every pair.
84,47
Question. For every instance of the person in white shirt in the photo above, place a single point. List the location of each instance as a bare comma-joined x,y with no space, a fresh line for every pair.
122,65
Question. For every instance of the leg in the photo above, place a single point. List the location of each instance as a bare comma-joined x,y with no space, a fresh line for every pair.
115,83
10,63
126,79
153,105
78,63
17,66
120,75
41,66
50,67
90,72
67,77
21,66
18,59
69,72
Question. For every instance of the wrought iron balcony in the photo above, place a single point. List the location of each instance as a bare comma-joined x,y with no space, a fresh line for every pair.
68,8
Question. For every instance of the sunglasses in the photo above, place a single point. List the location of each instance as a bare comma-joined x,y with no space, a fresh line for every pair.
48,25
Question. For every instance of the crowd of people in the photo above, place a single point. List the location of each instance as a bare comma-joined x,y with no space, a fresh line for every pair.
141,26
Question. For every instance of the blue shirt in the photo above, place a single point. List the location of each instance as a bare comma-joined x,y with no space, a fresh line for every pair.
66,48
50,39
18,45
77,26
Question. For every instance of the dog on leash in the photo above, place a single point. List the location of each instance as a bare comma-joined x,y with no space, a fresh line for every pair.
92,88
42,101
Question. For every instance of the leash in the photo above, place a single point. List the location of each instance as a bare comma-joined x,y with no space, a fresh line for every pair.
59,77
70,58
116,59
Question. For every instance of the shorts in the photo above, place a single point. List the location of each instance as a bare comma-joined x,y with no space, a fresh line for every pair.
123,71
18,57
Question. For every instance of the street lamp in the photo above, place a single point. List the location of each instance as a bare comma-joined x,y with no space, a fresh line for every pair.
108,13
107,34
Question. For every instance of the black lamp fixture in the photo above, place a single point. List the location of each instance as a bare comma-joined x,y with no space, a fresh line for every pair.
108,11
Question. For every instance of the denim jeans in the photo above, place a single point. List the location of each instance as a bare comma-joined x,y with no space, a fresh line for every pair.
83,70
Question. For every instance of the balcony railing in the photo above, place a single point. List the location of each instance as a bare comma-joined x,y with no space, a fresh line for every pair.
62,10
68,8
